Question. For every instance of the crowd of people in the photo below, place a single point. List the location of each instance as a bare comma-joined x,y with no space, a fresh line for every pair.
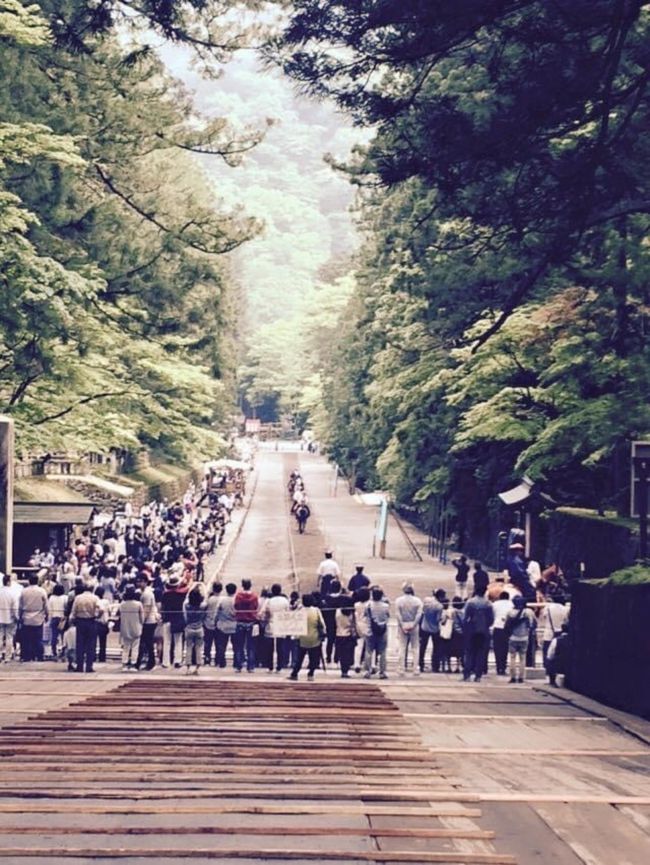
144,576
136,574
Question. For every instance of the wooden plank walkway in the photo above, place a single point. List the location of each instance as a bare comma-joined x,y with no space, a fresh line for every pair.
232,771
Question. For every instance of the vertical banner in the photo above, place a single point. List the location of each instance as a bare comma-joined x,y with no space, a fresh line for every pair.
382,528
6,492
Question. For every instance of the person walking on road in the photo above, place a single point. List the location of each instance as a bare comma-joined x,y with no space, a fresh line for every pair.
377,613
408,612
553,617
481,579
327,571
246,609
478,618
358,580
462,574
310,644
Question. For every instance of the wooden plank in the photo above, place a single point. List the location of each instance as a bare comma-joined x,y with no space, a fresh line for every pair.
137,794
446,717
259,853
522,832
84,807
540,752
469,833
598,834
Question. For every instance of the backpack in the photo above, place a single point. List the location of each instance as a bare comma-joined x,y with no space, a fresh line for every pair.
377,629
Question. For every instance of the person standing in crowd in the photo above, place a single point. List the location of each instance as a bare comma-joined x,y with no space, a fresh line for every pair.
554,615
358,580
446,632
557,657
457,645
311,643
362,627
148,601
8,617
462,574
277,640
56,605
131,622
32,613
194,612
226,624
408,613
332,601
520,621
346,639
210,624
84,613
327,571
70,647
432,612
171,606
478,618
377,613
246,609
501,608
102,624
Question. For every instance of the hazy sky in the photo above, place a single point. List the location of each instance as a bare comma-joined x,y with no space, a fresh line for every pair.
284,181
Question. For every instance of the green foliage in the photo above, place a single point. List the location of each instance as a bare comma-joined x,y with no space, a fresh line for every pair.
499,324
637,575
118,317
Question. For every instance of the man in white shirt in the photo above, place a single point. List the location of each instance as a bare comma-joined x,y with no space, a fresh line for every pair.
278,639
553,616
148,601
32,609
501,607
408,612
327,571
8,617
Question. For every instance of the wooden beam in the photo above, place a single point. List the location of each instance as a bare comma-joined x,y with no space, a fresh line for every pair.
470,834
318,855
85,807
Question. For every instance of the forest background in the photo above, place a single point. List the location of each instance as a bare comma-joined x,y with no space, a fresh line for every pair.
493,321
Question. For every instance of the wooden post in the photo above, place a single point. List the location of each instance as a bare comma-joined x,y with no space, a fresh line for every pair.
6,492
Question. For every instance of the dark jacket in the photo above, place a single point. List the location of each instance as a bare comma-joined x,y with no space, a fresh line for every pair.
171,607
478,617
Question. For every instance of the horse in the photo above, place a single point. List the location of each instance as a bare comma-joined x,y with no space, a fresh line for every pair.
302,514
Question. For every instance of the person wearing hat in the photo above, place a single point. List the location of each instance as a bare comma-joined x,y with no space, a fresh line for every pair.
462,573
520,621
327,571
171,608
358,580
131,621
